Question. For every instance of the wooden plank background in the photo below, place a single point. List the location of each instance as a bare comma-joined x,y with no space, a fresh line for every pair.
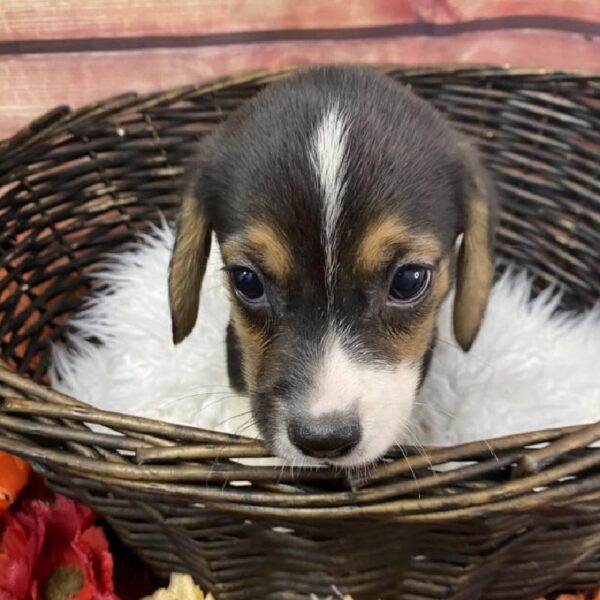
78,51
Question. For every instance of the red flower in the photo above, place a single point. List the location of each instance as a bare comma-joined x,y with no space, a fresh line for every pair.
53,552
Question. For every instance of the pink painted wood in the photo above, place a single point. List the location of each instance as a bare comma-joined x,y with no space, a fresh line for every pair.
31,83
48,19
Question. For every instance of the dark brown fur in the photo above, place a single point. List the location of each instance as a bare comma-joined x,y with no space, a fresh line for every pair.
412,187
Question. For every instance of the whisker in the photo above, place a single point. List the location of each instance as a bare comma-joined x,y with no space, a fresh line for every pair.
247,425
437,408
414,476
221,389
224,394
202,408
221,423
218,400
280,473
492,452
421,449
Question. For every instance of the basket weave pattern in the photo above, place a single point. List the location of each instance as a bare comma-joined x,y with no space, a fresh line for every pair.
507,519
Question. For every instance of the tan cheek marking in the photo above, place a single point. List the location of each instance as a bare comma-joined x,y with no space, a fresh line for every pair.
380,239
253,343
411,346
261,241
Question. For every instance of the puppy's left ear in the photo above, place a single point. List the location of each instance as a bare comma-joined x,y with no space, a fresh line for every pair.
475,267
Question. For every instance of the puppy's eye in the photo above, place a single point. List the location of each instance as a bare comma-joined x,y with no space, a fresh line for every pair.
409,283
248,284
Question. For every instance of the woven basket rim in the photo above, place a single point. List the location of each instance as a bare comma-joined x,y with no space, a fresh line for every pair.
63,114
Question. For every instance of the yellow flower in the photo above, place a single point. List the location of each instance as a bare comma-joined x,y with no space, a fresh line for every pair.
181,587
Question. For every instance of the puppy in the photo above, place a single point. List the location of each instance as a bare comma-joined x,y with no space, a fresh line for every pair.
337,198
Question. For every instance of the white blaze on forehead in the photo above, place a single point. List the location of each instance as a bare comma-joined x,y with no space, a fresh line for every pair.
328,156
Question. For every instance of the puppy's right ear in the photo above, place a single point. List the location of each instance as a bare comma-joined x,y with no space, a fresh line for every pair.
188,265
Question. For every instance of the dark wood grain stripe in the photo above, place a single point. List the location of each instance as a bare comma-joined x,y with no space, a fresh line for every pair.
588,29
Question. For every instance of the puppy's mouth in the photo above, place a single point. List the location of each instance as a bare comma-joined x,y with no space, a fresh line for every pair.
380,429
359,456
345,413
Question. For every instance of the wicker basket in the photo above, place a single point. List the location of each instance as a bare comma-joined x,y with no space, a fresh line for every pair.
506,519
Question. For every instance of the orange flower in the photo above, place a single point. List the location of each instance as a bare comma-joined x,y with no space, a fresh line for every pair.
594,596
14,474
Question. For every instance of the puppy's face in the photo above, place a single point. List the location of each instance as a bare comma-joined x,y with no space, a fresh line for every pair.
337,198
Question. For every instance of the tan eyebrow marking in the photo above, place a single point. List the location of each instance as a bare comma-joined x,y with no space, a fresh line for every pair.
263,243
383,236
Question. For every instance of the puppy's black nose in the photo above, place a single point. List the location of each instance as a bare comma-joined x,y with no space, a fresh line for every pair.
329,436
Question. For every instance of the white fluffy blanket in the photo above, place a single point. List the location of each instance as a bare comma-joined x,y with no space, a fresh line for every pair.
528,369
